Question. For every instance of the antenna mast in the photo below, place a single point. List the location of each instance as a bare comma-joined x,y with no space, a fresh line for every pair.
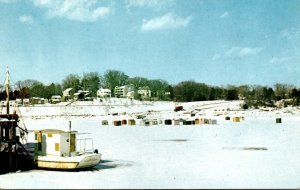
7,89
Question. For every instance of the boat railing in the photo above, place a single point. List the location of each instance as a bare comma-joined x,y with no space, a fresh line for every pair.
85,145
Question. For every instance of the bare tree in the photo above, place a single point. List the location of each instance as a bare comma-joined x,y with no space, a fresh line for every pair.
71,81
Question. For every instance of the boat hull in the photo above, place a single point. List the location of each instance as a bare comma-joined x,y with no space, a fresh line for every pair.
68,163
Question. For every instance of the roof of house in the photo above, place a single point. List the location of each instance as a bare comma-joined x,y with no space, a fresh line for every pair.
104,90
68,90
56,96
120,87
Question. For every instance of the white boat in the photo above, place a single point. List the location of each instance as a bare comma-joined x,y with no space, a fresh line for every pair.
57,149
68,163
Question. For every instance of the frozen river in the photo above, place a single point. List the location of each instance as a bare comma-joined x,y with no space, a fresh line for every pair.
254,153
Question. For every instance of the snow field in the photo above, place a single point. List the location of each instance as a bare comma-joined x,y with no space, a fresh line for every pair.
254,153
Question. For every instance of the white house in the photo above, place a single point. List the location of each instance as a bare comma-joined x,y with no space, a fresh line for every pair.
130,94
18,101
56,99
67,94
26,102
121,91
37,100
103,93
144,92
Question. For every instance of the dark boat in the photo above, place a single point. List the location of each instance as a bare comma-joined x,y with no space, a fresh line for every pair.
13,154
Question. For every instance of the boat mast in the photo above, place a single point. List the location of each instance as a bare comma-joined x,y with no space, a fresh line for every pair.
7,88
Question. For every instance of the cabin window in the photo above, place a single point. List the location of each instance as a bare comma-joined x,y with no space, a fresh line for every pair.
49,134
56,146
35,136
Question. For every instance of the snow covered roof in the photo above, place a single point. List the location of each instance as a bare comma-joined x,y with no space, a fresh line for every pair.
104,90
68,90
120,87
58,131
56,96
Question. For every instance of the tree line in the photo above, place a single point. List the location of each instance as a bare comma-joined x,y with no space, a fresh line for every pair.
186,91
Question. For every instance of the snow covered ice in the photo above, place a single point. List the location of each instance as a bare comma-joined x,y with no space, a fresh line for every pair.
254,153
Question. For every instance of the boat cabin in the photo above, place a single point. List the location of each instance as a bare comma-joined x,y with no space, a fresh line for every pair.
53,142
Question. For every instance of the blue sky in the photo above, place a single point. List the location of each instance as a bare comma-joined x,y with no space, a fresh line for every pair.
217,42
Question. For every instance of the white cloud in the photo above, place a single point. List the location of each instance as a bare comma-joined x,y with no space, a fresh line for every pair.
234,52
280,60
290,34
167,21
242,51
249,51
44,2
78,10
148,3
26,19
224,15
